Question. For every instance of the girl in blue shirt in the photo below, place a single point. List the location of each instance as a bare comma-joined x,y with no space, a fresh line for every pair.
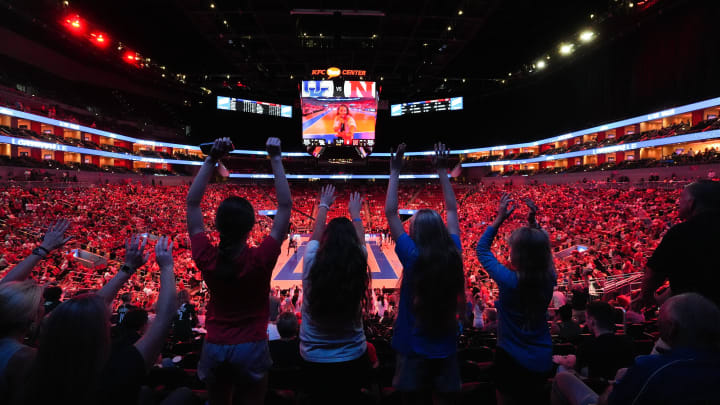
431,293
524,348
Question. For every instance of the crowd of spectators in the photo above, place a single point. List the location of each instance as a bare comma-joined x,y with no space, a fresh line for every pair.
594,234
620,228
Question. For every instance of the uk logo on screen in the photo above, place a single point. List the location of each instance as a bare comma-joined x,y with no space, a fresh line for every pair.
380,265
321,88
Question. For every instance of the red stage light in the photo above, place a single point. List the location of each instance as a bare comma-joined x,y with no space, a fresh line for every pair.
131,57
75,24
99,39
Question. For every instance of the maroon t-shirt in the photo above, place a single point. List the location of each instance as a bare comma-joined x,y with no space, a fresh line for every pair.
238,309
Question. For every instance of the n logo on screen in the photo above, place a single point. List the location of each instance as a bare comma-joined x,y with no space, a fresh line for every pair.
322,88
360,89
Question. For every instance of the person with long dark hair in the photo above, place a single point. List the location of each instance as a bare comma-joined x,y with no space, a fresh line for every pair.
235,352
523,356
75,364
431,293
335,283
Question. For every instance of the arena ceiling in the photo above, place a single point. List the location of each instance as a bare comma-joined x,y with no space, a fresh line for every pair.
647,57
416,47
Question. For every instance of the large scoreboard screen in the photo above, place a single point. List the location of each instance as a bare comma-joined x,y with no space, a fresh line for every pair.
419,107
339,114
255,107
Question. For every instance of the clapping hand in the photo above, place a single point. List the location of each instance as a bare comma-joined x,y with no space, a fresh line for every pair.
355,205
273,147
440,158
220,148
327,195
55,235
163,253
396,158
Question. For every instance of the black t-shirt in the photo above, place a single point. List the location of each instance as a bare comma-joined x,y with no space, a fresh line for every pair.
122,311
122,377
688,256
605,355
285,353
185,320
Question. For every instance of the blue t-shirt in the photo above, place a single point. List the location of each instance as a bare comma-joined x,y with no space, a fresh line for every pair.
680,376
529,345
407,337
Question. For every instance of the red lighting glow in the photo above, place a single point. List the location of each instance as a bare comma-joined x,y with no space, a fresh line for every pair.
131,57
99,39
74,24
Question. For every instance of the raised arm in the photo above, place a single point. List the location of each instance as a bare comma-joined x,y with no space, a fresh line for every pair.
440,161
134,259
354,207
53,239
505,209
194,214
327,197
282,191
152,341
391,200
503,276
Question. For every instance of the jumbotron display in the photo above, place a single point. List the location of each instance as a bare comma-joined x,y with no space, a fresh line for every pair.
339,114
255,107
418,107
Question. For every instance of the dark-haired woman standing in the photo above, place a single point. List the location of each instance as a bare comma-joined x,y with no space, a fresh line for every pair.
431,293
236,352
335,284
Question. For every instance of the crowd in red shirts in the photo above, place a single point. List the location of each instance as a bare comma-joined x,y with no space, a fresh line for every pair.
620,228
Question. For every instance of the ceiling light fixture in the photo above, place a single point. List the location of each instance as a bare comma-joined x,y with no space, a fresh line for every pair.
566,49
587,36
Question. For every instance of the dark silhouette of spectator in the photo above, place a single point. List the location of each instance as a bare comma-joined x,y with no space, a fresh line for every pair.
285,351
687,255
566,328
186,318
686,374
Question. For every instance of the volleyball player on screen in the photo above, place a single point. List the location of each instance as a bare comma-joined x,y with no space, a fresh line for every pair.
344,125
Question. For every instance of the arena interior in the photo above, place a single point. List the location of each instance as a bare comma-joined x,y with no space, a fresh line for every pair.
494,202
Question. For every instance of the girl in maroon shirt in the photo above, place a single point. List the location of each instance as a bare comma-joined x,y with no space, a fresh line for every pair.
236,352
